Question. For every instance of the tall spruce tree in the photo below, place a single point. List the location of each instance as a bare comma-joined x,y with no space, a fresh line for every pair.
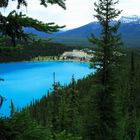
12,107
1,98
131,117
105,61
55,102
74,107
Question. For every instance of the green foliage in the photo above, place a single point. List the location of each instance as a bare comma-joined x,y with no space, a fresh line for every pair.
1,98
83,113
131,111
12,26
59,2
79,109
28,51
22,127
12,109
4,3
109,41
64,136
105,62
103,106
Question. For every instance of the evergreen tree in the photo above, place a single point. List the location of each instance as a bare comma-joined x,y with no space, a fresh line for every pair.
4,3
74,105
63,113
131,114
105,61
25,128
12,112
12,25
55,103
1,98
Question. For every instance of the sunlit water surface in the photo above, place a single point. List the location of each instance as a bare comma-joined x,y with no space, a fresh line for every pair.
26,81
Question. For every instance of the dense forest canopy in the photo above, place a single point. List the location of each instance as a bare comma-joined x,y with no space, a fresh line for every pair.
102,106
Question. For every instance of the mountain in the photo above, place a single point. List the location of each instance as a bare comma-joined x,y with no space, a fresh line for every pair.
39,33
130,19
129,29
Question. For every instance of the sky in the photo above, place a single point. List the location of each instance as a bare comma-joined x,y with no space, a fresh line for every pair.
78,12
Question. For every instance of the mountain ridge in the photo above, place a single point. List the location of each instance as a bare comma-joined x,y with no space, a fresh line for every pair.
129,29
130,19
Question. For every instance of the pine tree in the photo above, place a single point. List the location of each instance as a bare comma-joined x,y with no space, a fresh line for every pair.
12,25
55,102
105,61
4,3
74,104
12,112
1,98
131,119
63,119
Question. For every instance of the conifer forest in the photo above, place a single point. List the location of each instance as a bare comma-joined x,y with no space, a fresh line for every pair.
104,105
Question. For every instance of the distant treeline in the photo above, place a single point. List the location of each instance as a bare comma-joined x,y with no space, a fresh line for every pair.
68,113
27,52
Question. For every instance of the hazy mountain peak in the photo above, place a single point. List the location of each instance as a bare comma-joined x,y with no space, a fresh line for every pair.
130,19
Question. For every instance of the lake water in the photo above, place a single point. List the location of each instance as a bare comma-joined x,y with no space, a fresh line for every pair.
26,81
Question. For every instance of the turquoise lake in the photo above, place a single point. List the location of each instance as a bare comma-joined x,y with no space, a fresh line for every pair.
25,81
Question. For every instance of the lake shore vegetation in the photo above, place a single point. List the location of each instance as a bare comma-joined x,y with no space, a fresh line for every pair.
102,106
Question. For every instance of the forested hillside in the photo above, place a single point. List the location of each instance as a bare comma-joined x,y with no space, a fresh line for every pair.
68,112
130,33
27,51
102,106
72,108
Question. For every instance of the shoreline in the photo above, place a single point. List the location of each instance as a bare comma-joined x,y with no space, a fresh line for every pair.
47,59
68,60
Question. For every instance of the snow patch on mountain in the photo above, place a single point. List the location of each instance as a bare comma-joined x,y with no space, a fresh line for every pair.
130,19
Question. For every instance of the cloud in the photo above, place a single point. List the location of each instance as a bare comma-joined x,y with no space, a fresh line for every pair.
130,7
78,12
